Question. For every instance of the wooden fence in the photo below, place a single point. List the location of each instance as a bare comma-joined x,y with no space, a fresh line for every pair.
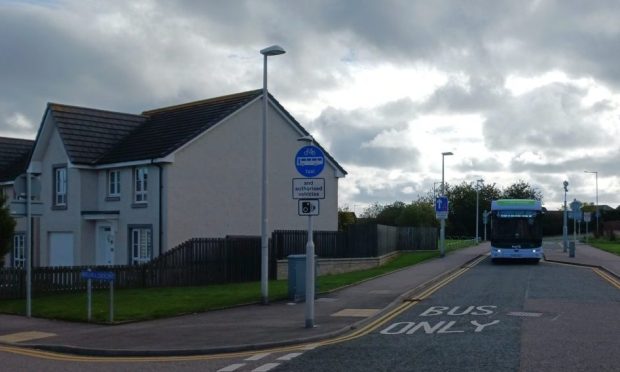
203,261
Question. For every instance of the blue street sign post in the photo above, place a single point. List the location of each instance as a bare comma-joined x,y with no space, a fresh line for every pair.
102,276
441,207
309,162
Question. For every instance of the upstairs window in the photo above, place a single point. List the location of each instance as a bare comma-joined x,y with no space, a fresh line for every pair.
114,183
60,187
141,185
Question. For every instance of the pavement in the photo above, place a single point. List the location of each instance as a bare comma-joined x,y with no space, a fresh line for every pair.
255,327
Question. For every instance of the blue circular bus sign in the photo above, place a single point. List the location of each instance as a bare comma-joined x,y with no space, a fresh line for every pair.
309,161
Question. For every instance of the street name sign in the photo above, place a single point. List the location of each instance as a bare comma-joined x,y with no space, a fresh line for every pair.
308,188
104,276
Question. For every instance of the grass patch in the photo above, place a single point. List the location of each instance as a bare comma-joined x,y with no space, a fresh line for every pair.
153,303
606,245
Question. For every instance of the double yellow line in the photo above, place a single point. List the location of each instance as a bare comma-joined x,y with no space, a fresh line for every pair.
611,279
366,329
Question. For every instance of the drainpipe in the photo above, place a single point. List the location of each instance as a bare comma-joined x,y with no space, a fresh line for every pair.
161,188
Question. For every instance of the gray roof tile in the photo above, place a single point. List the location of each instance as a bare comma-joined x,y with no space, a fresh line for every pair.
14,153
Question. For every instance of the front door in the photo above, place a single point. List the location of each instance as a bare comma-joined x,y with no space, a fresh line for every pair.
105,245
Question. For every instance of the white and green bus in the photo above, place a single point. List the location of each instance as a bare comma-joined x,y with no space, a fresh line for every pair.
516,229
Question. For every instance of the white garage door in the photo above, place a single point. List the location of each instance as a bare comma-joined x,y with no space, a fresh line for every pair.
61,249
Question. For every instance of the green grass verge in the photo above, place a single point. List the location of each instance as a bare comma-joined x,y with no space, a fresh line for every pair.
606,245
153,303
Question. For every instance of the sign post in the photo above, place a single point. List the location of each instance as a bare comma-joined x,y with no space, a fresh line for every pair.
103,276
309,162
587,217
575,207
441,212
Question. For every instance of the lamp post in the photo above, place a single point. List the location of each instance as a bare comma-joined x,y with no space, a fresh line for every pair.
273,50
442,229
596,175
565,227
479,184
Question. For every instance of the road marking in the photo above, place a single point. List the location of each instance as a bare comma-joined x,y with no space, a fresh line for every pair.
266,367
232,367
25,336
309,347
362,313
289,356
524,314
607,277
257,356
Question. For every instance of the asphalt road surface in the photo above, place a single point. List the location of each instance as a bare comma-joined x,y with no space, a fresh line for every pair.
507,317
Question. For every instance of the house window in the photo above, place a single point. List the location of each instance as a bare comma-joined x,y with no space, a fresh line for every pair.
141,244
114,183
140,185
60,187
19,243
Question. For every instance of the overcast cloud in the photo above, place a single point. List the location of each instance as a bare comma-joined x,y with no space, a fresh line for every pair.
516,89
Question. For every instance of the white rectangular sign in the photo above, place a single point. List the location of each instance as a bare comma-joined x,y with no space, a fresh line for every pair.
308,207
308,188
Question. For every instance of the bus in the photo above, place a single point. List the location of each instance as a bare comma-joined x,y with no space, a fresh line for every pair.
516,229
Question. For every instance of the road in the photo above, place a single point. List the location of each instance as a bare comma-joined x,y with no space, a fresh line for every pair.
507,317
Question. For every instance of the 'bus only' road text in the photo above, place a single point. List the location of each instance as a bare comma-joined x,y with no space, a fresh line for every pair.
443,326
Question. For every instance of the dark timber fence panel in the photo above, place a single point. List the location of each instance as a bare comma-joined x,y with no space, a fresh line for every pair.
203,261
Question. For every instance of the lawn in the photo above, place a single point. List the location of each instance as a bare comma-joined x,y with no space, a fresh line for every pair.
152,303
611,246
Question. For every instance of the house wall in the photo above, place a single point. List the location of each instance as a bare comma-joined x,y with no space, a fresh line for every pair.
129,214
63,220
214,184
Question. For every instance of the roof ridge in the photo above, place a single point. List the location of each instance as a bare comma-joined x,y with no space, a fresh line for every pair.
62,108
17,139
199,102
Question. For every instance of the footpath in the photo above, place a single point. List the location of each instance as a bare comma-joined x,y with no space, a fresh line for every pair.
254,327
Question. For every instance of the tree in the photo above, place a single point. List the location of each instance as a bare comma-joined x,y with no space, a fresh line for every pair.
420,213
7,229
521,190
390,213
345,218
462,212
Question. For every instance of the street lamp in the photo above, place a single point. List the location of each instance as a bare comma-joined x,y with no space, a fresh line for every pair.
479,184
442,230
565,227
597,213
273,50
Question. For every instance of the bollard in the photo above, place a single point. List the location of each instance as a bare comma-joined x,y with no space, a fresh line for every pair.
571,249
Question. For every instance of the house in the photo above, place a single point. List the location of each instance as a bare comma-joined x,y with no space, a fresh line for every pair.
122,188
13,160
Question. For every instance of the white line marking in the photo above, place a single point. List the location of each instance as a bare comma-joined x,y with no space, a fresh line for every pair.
257,356
232,367
266,367
290,356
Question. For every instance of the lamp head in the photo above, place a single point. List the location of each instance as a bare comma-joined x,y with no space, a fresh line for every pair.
307,138
273,50
447,153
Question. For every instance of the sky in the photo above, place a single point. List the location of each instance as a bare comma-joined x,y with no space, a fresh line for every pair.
516,90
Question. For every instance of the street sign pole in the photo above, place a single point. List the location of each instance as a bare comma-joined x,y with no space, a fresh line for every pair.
310,277
309,162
